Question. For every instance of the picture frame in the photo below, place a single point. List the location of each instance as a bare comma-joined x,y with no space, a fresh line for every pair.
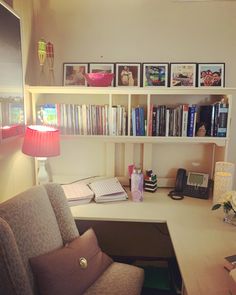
155,75
183,75
103,68
128,74
73,74
211,75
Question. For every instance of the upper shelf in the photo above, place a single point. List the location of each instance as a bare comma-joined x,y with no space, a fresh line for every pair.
128,90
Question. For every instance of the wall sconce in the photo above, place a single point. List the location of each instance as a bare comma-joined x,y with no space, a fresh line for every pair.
41,142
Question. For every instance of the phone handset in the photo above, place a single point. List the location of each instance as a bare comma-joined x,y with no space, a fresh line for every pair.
177,193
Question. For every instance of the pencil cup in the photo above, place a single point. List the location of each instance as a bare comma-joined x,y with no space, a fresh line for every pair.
222,183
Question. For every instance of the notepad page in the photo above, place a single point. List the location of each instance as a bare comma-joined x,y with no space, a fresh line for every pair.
106,187
77,190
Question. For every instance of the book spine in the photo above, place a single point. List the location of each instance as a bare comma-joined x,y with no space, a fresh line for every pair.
154,121
184,119
212,120
222,120
137,121
84,119
142,123
167,122
150,121
191,120
124,122
216,118
114,120
133,122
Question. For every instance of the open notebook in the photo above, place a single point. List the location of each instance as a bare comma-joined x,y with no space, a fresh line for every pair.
108,190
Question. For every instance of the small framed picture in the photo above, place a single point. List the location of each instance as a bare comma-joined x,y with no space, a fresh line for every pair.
128,74
183,74
73,74
102,68
211,75
155,74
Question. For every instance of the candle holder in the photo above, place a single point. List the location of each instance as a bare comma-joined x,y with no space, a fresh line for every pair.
222,184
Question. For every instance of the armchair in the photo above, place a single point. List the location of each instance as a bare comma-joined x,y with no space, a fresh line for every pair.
37,222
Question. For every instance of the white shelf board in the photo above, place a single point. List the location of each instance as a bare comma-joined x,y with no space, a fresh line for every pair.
150,139
129,90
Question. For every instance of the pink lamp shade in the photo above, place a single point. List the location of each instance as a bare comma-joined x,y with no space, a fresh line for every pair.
41,141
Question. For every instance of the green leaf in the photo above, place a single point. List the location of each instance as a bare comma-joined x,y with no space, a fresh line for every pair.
216,206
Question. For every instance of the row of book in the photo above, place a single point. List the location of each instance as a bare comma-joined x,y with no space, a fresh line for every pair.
84,119
189,120
164,120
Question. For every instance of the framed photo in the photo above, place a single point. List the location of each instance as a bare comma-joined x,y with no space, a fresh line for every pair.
183,74
73,74
155,74
211,75
128,74
102,68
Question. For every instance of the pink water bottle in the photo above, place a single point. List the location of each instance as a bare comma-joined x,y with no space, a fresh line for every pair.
137,185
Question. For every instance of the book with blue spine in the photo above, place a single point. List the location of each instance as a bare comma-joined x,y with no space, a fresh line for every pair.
191,120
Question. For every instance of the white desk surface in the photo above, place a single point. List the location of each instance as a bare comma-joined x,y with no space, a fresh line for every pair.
200,237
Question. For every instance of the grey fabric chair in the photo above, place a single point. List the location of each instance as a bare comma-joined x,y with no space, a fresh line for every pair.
38,221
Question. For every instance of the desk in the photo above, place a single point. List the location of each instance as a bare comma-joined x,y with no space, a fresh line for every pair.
199,236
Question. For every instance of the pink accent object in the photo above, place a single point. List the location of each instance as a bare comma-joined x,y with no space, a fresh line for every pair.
99,79
49,50
41,141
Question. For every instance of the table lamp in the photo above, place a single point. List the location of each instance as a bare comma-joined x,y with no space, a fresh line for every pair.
41,142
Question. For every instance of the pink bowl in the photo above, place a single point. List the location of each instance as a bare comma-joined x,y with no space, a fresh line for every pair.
99,79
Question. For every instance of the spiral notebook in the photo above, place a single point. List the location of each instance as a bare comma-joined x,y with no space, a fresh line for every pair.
108,190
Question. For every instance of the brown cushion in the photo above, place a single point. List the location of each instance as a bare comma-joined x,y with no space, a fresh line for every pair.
71,269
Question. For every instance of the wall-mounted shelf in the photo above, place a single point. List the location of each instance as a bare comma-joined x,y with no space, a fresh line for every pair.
216,148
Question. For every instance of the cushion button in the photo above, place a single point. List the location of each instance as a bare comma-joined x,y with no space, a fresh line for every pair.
83,262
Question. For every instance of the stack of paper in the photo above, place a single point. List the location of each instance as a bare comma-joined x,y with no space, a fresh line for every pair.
108,190
77,193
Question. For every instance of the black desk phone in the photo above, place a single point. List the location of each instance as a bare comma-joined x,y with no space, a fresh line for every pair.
192,184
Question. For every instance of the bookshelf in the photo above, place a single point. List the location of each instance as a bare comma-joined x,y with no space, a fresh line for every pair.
135,149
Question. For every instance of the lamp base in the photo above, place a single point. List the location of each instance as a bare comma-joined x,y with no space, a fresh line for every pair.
43,176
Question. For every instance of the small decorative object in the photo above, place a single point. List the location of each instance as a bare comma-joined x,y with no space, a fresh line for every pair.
128,75
155,75
102,68
201,131
74,74
42,53
183,74
150,181
50,60
222,184
211,75
99,79
228,202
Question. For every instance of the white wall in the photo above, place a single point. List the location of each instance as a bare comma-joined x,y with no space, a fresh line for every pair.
135,31
139,30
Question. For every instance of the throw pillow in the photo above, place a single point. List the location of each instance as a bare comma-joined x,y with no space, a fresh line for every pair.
71,269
